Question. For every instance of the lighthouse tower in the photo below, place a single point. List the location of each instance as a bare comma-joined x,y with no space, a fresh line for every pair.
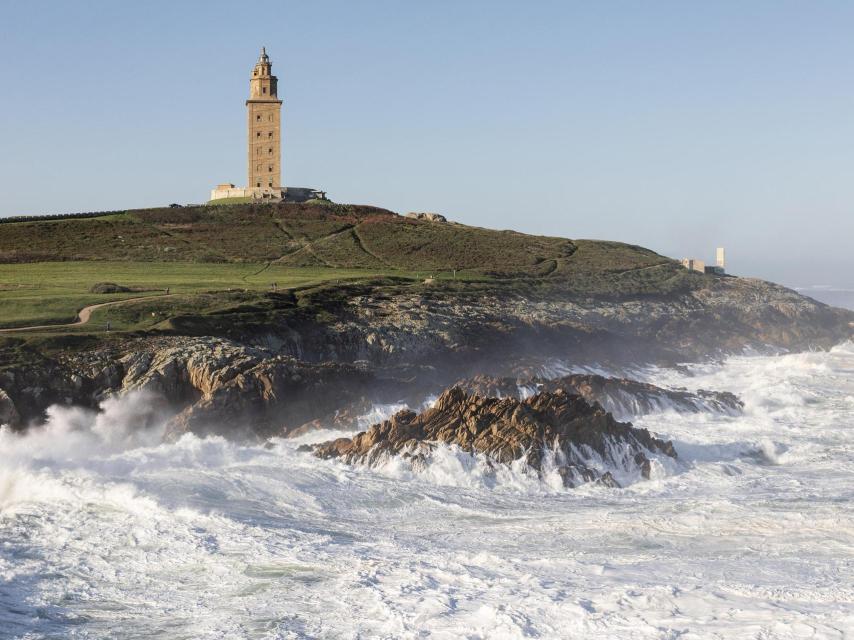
264,131
264,112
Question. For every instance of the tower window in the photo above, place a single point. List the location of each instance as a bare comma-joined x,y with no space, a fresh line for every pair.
269,184
270,150
270,135
258,118
270,169
258,135
264,90
257,184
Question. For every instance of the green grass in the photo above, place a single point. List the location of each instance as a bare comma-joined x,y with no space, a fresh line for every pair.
54,292
439,246
212,257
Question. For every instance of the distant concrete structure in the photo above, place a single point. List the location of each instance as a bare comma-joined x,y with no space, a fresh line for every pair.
718,269
693,264
263,110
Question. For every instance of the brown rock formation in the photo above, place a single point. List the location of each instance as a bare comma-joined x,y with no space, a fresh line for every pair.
508,429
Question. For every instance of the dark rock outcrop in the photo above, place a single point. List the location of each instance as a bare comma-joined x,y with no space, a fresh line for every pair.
211,386
8,413
625,397
622,397
585,442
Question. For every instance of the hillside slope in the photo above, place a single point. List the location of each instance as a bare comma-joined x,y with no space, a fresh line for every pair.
336,236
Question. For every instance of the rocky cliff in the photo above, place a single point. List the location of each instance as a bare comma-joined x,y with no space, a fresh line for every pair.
278,371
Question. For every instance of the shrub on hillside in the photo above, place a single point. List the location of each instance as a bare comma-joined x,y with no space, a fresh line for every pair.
210,257
170,215
108,287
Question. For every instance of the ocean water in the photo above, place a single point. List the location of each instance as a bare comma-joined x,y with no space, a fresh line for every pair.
104,533
836,296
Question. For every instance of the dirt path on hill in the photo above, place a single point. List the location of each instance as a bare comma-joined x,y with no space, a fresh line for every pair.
85,314
361,242
260,271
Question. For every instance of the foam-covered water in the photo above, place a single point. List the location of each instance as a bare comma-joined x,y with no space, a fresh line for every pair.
106,534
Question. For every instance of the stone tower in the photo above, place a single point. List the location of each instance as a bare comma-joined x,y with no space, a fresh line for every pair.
264,114
265,131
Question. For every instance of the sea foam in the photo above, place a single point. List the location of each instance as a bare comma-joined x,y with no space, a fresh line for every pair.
105,532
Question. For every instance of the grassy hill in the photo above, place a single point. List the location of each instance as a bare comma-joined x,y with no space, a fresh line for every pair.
207,256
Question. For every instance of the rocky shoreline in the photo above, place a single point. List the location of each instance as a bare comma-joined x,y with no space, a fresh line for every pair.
326,366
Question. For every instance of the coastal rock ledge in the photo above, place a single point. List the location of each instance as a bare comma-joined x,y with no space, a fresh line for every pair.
551,430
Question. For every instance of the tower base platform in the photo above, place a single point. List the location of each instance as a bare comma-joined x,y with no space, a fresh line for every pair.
265,194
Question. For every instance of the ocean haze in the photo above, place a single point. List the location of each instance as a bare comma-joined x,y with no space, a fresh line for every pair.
676,126
830,295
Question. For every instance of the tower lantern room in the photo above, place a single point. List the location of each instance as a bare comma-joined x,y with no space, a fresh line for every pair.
263,82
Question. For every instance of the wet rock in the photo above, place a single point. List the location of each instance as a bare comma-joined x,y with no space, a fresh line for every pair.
211,386
8,413
625,397
620,396
270,396
28,391
583,441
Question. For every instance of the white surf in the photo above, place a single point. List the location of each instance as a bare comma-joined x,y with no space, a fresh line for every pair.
105,534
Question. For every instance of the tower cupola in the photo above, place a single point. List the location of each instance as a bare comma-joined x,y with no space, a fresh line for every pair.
263,84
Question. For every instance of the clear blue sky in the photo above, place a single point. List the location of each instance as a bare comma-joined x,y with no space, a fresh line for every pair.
676,125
